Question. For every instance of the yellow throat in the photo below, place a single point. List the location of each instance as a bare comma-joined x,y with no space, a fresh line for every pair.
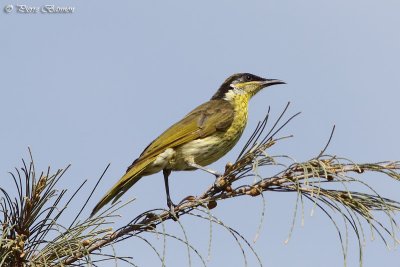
240,103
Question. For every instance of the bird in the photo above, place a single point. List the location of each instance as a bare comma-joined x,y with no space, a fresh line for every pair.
200,138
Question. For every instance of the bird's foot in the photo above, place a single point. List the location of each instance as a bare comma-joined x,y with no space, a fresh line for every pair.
172,208
220,183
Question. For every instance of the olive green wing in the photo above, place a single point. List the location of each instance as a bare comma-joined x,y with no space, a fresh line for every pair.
206,119
203,121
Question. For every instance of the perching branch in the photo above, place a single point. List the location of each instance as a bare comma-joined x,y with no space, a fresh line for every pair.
306,179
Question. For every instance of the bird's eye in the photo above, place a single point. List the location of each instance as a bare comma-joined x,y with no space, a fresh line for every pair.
248,78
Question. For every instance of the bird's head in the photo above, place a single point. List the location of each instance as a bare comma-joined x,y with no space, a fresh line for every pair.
243,84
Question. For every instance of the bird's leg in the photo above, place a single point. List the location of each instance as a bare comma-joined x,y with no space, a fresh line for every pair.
170,204
197,166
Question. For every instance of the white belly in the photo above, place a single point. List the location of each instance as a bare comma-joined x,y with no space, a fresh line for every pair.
198,151
201,151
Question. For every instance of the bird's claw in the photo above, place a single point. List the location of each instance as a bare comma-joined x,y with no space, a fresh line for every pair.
172,208
220,183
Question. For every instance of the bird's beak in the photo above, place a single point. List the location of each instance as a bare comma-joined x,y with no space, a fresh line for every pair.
259,85
269,82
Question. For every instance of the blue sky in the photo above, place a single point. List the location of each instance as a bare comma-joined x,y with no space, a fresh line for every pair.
98,85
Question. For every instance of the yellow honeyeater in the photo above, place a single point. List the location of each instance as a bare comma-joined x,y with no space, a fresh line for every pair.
202,137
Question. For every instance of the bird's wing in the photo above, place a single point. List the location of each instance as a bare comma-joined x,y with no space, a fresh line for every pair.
203,121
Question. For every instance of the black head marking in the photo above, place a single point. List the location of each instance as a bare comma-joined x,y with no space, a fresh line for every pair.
235,78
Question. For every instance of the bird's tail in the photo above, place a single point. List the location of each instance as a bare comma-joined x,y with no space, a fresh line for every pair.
132,175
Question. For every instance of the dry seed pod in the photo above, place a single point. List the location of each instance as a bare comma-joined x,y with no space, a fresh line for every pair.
228,166
150,227
254,191
188,198
212,204
263,184
86,242
241,190
221,183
